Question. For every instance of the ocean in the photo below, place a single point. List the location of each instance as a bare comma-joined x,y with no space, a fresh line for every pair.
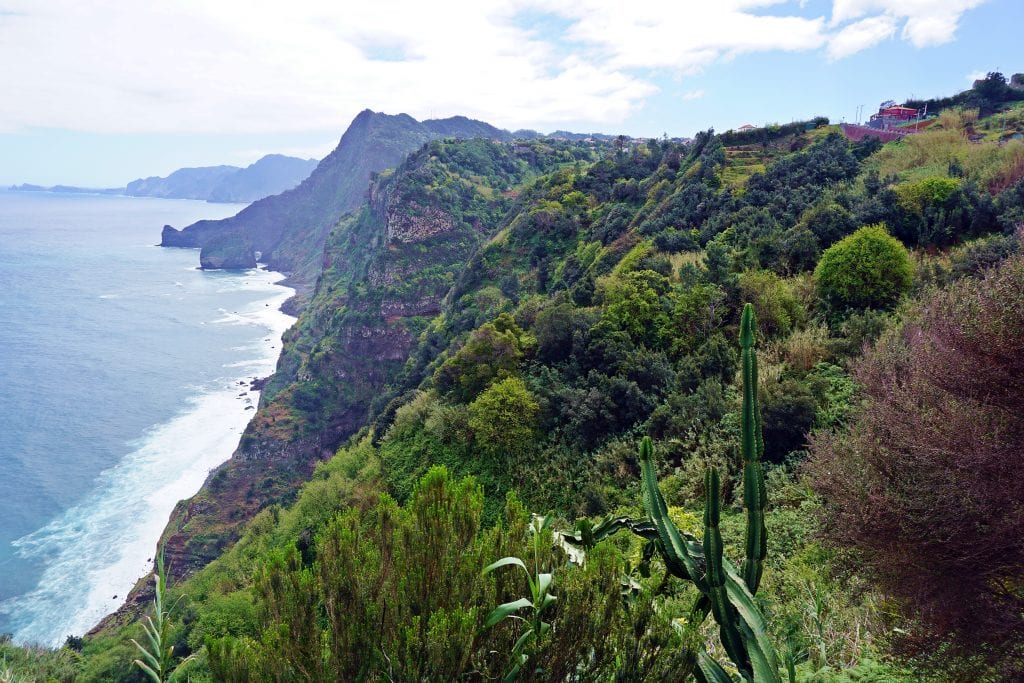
124,373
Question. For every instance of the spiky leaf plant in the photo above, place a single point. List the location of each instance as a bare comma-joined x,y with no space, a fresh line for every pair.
726,592
157,654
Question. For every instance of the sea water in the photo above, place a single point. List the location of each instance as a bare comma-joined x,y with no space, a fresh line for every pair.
124,374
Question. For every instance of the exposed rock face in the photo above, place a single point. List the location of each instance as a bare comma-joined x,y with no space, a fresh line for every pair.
289,229
227,252
242,260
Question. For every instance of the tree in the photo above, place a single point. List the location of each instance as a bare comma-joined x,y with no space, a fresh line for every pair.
777,308
993,86
868,269
926,485
503,417
492,352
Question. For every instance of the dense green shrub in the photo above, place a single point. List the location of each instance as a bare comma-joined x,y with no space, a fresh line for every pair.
503,418
778,311
868,269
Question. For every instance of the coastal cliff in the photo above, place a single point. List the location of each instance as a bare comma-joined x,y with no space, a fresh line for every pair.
386,271
289,229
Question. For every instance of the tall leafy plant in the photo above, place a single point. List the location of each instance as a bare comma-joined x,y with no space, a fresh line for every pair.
157,654
540,598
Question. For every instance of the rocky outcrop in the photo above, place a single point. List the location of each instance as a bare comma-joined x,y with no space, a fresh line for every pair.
169,237
227,252
243,259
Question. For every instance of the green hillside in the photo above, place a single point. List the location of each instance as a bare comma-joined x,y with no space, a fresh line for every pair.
498,328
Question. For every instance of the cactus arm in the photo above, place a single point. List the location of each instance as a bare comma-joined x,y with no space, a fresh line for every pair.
678,559
721,608
753,450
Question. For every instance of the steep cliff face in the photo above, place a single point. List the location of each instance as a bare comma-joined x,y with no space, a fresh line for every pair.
289,229
386,271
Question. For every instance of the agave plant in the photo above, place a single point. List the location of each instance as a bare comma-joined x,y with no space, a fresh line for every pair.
539,600
727,593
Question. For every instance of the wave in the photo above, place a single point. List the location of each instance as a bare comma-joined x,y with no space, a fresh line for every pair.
95,552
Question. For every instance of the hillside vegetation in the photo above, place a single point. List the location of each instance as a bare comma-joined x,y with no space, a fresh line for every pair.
500,326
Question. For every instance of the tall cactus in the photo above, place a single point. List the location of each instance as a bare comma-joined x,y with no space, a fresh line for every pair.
725,592
753,450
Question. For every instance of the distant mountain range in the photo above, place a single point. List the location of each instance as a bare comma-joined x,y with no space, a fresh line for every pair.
287,231
272,174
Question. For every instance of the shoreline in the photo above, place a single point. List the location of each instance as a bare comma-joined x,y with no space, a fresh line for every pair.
97,547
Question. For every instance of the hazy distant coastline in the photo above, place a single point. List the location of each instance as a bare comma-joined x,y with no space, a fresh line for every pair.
272,174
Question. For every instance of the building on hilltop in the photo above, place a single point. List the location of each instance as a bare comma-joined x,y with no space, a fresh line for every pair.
891,114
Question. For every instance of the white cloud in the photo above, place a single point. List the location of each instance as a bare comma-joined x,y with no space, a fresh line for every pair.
236,66
861,35
927,22
683,36
693,95
194,66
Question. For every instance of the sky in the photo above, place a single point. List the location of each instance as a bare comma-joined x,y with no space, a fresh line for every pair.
99,92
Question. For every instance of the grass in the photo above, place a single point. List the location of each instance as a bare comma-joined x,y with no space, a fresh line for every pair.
929,154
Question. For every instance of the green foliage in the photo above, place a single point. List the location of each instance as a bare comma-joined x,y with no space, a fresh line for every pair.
778,310
829,221
724,592
395,593
503,418
837,390
391,589
917,196
539,599
37,665
491,353
633,304
868,269
697,312
549,325
158,653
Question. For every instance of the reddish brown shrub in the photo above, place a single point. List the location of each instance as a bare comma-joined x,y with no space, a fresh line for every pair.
928,485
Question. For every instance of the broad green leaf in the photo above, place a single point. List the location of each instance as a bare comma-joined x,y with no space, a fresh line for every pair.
710,671
543,583
149,672
759,646
502,611
505,561
517,648
147,654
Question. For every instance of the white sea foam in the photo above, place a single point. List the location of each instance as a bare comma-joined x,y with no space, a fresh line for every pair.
98,549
